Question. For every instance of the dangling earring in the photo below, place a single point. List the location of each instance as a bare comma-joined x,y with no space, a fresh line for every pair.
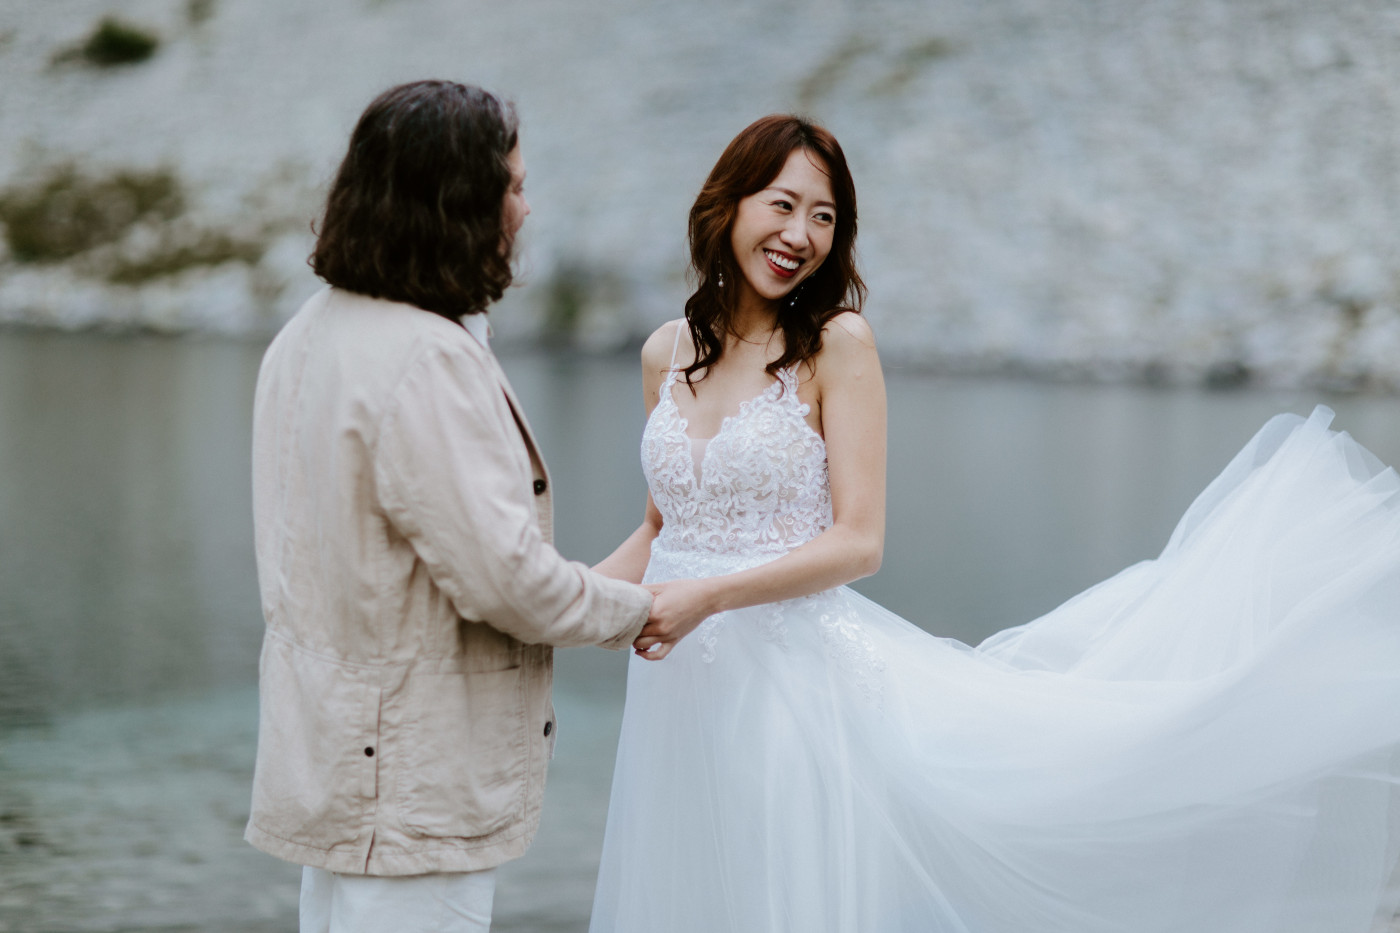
720,279
796,293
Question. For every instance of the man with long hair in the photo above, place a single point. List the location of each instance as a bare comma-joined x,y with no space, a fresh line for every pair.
403,533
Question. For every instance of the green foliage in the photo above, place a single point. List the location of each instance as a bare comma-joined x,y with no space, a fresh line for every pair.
910,63
1227,374
116,43
207,248
832,70
900,66
199,12
67,213
566,296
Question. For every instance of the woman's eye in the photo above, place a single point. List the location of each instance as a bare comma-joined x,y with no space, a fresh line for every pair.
783,205
825,218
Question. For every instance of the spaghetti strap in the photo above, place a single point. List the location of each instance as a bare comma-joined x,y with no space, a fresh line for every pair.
676,344
671,370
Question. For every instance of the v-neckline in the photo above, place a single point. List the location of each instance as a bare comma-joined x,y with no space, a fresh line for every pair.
724,422
697,470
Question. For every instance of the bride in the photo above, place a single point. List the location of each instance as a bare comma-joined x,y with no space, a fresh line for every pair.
1204,743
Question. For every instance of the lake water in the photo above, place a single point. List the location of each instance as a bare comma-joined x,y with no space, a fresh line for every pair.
129,622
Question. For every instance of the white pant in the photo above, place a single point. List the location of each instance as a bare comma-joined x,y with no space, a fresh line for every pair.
456,902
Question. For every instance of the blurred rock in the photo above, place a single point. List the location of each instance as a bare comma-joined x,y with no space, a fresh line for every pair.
1146,191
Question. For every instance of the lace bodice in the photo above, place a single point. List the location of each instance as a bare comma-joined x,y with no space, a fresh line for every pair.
759,490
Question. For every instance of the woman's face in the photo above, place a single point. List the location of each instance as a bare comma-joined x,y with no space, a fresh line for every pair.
515,208
782,234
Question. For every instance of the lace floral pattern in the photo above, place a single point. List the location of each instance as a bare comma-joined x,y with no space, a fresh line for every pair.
762,484
761,490
851,647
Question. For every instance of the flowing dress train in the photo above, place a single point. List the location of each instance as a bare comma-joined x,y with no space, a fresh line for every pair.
1208,742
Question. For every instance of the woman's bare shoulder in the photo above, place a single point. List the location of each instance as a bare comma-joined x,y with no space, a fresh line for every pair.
848,344
656,352
848,349
847,331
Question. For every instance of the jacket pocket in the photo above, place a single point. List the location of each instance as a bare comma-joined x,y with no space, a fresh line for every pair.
463,761
313,783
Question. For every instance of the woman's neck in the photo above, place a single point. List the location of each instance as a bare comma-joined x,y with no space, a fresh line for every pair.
754,322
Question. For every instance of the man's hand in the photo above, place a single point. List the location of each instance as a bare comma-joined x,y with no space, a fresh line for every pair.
677,608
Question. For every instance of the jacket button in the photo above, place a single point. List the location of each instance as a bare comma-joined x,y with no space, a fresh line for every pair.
548,728
540,487
369,753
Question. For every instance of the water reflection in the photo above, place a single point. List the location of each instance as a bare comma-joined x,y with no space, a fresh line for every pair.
124,564
129,624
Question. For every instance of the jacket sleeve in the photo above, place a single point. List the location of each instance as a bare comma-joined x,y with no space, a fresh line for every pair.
448,473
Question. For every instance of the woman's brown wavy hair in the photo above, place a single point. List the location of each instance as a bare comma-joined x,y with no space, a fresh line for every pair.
415,212
748,165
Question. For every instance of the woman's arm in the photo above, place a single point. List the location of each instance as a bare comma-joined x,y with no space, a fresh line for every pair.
851,396
629,561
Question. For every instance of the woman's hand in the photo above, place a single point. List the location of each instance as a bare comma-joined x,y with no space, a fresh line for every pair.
677,608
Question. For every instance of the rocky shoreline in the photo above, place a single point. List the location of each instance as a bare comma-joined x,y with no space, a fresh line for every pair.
1203,191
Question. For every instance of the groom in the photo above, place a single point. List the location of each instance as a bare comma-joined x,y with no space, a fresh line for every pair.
403,529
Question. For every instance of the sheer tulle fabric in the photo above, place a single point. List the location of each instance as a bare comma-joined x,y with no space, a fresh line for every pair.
1209,741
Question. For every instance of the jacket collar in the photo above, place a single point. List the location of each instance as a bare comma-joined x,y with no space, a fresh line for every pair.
518,411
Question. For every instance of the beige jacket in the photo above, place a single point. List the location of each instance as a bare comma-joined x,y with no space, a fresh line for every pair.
411,592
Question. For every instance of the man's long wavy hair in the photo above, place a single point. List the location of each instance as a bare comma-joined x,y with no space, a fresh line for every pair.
415,212
748,165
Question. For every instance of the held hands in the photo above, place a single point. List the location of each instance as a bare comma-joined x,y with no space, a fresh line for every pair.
677,608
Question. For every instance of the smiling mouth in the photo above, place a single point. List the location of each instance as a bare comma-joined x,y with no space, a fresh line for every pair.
783,265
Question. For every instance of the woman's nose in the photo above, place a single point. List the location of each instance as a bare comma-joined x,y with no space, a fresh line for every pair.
794,232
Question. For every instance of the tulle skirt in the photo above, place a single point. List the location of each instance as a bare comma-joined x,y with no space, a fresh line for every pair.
1209,741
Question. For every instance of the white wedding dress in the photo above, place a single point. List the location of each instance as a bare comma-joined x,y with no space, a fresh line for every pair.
1208,742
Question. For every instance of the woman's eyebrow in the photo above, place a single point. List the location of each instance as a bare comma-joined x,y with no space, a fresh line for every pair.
793,194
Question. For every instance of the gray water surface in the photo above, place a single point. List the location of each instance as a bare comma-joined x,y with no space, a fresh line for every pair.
129,622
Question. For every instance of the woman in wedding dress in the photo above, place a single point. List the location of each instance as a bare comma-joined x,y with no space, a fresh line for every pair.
1208,742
